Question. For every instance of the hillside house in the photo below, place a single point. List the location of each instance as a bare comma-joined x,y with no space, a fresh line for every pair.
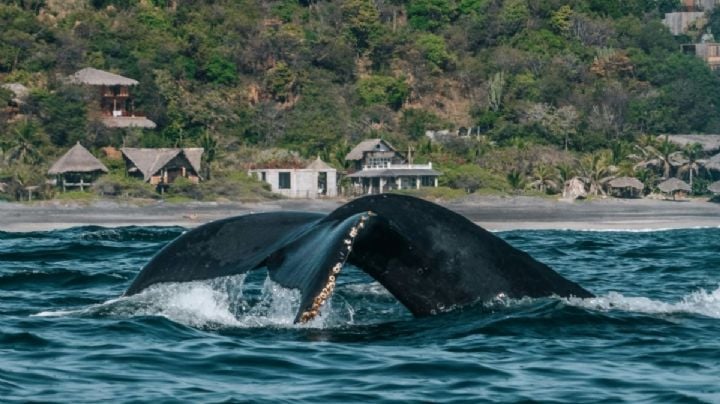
163,165
117,108
317,180
379,168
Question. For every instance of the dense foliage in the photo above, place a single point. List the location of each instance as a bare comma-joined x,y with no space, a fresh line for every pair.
317,76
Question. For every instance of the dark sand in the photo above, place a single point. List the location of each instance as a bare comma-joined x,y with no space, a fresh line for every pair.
493,213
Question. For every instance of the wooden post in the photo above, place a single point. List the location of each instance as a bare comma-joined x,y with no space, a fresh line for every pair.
82,188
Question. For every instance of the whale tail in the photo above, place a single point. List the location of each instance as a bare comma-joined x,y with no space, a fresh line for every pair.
430,258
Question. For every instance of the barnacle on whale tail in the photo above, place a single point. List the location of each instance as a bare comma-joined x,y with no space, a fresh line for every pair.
334,272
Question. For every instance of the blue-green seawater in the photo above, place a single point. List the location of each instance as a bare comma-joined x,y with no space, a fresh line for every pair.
651,335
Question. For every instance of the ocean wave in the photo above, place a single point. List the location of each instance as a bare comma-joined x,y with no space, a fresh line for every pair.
700,302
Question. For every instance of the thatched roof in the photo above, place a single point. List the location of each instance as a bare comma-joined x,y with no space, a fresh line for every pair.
128,122
713,163
150,161
21,92
673,184
365,146
318,164
709,143
95,77
714,187
77,160
626,182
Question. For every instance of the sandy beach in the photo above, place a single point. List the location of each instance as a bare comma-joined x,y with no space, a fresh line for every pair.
491,212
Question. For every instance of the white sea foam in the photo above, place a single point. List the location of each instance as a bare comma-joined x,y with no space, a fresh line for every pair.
700,302
216,303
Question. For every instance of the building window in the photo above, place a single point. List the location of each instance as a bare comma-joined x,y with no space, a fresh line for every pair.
427,181
284,180
263,176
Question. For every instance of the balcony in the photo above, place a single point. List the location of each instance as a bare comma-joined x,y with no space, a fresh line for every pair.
389,166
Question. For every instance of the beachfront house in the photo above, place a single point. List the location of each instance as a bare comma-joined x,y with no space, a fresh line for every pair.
378,167
316,180
162,166
117,109
77,168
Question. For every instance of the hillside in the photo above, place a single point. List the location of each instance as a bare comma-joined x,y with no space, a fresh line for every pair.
317,76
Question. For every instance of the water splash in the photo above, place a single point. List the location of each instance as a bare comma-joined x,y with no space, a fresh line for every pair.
700,302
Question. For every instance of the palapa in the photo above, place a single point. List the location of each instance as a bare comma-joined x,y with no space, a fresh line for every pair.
673,185
626,182
95,77
713,164
77,160
709,143
150,161
714,187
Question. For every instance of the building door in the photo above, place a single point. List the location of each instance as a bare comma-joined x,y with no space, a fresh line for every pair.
322,183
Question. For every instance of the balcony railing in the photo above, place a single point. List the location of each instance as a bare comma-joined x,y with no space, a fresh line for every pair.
389,166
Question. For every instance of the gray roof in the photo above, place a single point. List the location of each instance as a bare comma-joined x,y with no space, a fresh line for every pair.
365,146
394,173
673,184
318,164
709,143
714,187
95,77
77,160
128,122
626,182
150,161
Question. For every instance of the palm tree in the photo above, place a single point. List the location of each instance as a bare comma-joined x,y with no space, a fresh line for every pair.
692,154
594,169
543,176
24,147
516,180
565,172
208,143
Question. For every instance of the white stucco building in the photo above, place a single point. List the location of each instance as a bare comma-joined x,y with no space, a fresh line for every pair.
317,180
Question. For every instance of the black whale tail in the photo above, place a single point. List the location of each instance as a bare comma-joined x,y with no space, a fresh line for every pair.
430,258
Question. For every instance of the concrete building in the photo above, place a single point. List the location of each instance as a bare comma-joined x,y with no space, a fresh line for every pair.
317,180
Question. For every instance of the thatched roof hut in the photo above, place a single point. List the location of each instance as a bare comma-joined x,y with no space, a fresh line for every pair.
709,143
626,187
95,77
713,164
673,185
77,160
150,163
714,187
626,182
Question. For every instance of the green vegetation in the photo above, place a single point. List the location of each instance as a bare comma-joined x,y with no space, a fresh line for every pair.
547,84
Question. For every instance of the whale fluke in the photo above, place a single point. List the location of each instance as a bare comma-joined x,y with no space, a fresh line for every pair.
430,258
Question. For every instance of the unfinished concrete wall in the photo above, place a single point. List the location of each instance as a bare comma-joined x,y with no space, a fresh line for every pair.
678,23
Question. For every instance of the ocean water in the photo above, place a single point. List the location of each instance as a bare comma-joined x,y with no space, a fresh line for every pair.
651,335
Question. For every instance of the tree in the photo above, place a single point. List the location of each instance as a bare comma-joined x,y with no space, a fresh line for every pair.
429,15
25,146
692,153
594,170
209,144
361,18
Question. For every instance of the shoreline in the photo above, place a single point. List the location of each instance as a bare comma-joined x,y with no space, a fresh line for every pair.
494,213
